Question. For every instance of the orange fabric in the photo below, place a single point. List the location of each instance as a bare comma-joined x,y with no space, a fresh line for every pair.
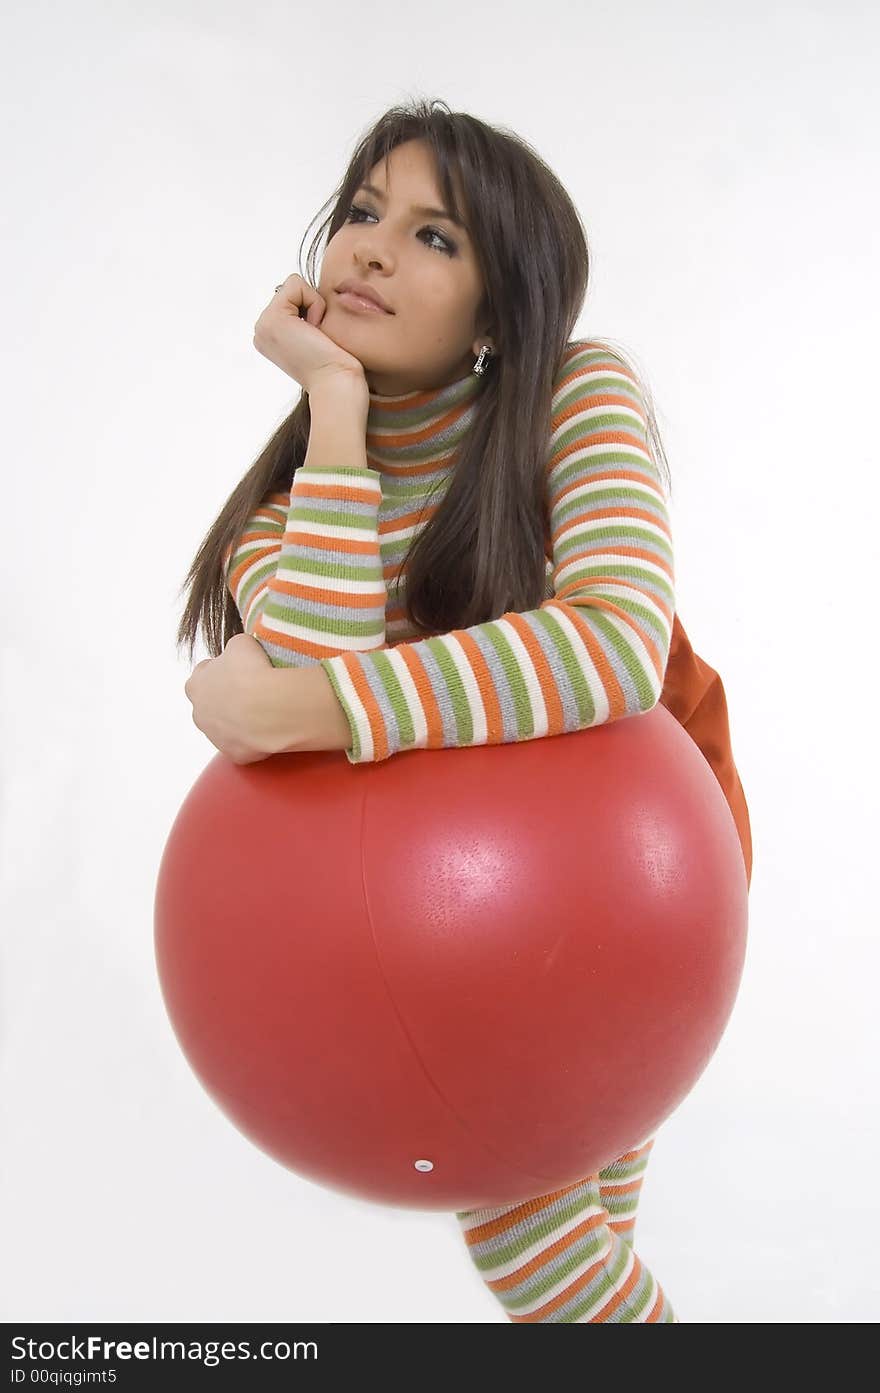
693,693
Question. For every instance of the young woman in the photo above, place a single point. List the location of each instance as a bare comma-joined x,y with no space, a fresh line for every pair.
459,536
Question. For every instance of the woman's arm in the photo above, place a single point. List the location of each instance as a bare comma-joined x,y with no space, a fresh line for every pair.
295,569
301,712
596,651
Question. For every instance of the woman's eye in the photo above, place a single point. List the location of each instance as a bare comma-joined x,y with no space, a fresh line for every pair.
447,246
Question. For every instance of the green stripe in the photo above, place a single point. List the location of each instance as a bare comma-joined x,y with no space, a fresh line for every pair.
331,623
583,695
627,492
643,684
340,515
461,709
624,569
355,753
355,570
525,724
394,691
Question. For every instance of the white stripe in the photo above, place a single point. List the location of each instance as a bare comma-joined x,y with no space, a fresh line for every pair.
604,1297
402,534
254,609
619,1181
410,696
636,643
585,370
621,591
609,559
327,476
566,1281
504,1269
653,1291
292,536
322,638
585,662
597,524
540,718
471,686
626,486
587,413
276,519
255,564
331,585
357,708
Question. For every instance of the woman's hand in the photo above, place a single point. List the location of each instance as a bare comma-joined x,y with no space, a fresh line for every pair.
295,343
229,699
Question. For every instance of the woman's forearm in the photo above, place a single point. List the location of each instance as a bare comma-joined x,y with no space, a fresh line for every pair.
302,712
299,709
338,432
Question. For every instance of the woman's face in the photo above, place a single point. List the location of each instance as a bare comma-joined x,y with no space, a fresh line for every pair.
423,266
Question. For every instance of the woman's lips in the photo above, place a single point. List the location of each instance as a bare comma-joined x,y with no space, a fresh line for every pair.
357,302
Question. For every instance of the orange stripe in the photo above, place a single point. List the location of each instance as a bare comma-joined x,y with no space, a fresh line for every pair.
596,546
493,1228
598,602
488,694
589,514
254,534
293,645
407,520
325,593
633,1155
415,437
598,365
370,705
597,550
607,1309
543,671
238,571
629,1188
577,583
629,472
629,475
607,397
345,493
658,600
422,683
613,690
553,1250
600,437
352,546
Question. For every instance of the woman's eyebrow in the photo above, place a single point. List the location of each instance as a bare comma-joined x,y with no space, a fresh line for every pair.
419,208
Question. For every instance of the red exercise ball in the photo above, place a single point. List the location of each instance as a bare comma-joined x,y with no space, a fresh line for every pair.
455,978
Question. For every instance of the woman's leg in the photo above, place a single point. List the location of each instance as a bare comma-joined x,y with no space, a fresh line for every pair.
565,1257
620,1188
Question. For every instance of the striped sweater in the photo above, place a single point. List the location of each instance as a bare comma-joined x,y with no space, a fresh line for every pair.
319,575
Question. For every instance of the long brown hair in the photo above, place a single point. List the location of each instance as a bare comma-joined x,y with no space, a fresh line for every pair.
483,552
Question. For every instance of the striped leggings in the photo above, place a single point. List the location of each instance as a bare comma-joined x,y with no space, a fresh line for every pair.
567,1256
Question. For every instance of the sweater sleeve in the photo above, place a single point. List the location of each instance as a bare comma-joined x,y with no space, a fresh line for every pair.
306,572
594,652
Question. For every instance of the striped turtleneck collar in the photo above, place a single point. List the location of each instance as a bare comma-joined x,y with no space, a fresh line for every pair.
420,428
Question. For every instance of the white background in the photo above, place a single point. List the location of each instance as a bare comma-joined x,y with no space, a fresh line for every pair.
160,164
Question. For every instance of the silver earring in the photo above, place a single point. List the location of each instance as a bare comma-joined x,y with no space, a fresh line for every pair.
479,365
